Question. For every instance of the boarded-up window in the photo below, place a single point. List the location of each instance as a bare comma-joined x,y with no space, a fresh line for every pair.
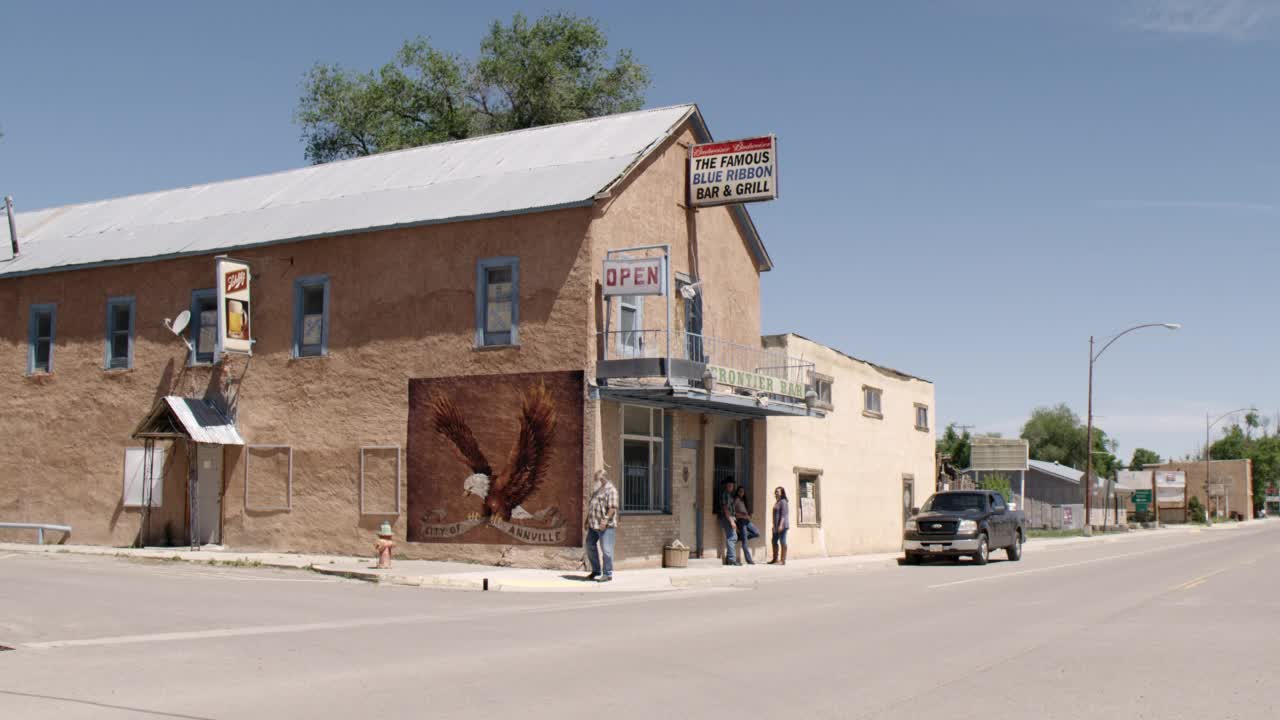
808,511
380,480
268,478
138,491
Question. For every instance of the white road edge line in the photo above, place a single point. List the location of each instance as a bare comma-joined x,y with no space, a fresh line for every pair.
2,557
228,632
1001,576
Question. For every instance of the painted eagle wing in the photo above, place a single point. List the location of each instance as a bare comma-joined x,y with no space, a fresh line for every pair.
448,421
532,452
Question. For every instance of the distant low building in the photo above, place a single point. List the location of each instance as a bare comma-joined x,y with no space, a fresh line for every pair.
1053,495
1231,485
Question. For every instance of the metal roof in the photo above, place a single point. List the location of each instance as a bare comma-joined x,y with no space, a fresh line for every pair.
1066,472
539,169
197,419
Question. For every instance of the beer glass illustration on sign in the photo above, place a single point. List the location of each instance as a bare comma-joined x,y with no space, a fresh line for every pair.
237,319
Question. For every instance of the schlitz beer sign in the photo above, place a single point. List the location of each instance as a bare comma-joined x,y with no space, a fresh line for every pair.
738,171
233,307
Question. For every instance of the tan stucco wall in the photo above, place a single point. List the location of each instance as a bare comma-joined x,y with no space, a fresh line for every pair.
402,307
862,459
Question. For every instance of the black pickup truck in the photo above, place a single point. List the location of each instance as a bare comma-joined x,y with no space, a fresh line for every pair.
963,523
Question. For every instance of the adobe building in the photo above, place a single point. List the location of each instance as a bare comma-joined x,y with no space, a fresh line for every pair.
853,476
433,344
1229,491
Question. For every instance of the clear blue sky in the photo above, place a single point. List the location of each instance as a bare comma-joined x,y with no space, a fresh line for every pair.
970,189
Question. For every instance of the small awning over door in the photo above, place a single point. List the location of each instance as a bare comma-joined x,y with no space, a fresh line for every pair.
175,418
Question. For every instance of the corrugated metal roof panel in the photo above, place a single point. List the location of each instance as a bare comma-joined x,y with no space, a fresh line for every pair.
203,422
524,171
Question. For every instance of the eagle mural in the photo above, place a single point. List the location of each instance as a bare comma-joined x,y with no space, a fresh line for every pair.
503,492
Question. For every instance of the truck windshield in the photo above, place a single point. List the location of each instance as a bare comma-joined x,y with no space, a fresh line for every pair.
955,502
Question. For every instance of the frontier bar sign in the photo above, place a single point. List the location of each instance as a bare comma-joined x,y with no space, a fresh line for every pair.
738,171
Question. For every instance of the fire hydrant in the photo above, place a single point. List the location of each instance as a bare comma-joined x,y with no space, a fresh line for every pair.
384,545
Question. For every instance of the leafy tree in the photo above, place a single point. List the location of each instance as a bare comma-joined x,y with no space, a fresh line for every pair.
550,70
1264,451
956,445
1055,434
1143,457
998,482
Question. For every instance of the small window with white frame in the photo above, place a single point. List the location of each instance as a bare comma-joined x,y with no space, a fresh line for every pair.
922,417
871,401
643,482
41,328
631,325
118,354
498,302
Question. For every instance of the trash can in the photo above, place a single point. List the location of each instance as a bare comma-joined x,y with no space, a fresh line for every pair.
675,555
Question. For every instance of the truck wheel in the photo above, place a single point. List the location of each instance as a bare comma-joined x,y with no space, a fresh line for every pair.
912,559
1014,551
984,551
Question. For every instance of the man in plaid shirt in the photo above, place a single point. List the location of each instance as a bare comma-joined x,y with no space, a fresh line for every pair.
602,527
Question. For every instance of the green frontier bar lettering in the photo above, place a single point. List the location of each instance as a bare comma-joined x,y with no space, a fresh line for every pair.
760,383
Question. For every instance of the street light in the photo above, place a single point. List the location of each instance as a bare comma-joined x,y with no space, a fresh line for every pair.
1207,519
1088,461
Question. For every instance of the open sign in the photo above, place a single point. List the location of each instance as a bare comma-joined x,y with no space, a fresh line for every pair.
643,276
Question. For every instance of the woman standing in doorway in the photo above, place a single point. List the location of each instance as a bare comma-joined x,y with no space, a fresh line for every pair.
781,523
742,517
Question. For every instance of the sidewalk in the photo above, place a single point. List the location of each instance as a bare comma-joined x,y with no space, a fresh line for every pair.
468,576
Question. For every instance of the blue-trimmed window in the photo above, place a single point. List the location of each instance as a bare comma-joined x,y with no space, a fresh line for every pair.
40,334
204,325
311,316
118,353
498,302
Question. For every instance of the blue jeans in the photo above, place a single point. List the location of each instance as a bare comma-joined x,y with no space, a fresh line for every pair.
780,538
742,540
605,539
730,541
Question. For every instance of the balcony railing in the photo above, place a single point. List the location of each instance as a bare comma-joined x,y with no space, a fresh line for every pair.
703,350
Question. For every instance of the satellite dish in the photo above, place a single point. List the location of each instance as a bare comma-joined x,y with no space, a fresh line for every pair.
178,324
690,291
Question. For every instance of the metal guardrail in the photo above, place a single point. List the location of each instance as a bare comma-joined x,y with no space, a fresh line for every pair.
38,527
708,350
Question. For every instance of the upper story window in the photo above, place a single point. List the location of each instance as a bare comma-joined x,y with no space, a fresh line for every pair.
119,343
311,316
630,324
40,339
498,302
204,325
822,386
922,417
871,398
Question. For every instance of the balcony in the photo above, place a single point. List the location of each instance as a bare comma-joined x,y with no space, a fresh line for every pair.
704,371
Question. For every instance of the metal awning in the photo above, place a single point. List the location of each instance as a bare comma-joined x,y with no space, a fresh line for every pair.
176,418
698,400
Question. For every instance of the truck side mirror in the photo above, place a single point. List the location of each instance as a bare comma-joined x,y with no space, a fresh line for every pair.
915,511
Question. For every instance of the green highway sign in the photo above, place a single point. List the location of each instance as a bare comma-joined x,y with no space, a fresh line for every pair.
1141,496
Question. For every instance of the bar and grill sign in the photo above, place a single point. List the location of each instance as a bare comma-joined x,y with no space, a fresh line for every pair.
737,171
233,307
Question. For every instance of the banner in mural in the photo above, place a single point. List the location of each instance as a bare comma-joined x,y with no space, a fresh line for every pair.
496,459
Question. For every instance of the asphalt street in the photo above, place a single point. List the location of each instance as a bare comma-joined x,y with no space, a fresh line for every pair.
1172,625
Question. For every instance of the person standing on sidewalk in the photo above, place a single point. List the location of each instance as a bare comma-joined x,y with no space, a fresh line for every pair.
742,517
727,522
602,528
781,523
